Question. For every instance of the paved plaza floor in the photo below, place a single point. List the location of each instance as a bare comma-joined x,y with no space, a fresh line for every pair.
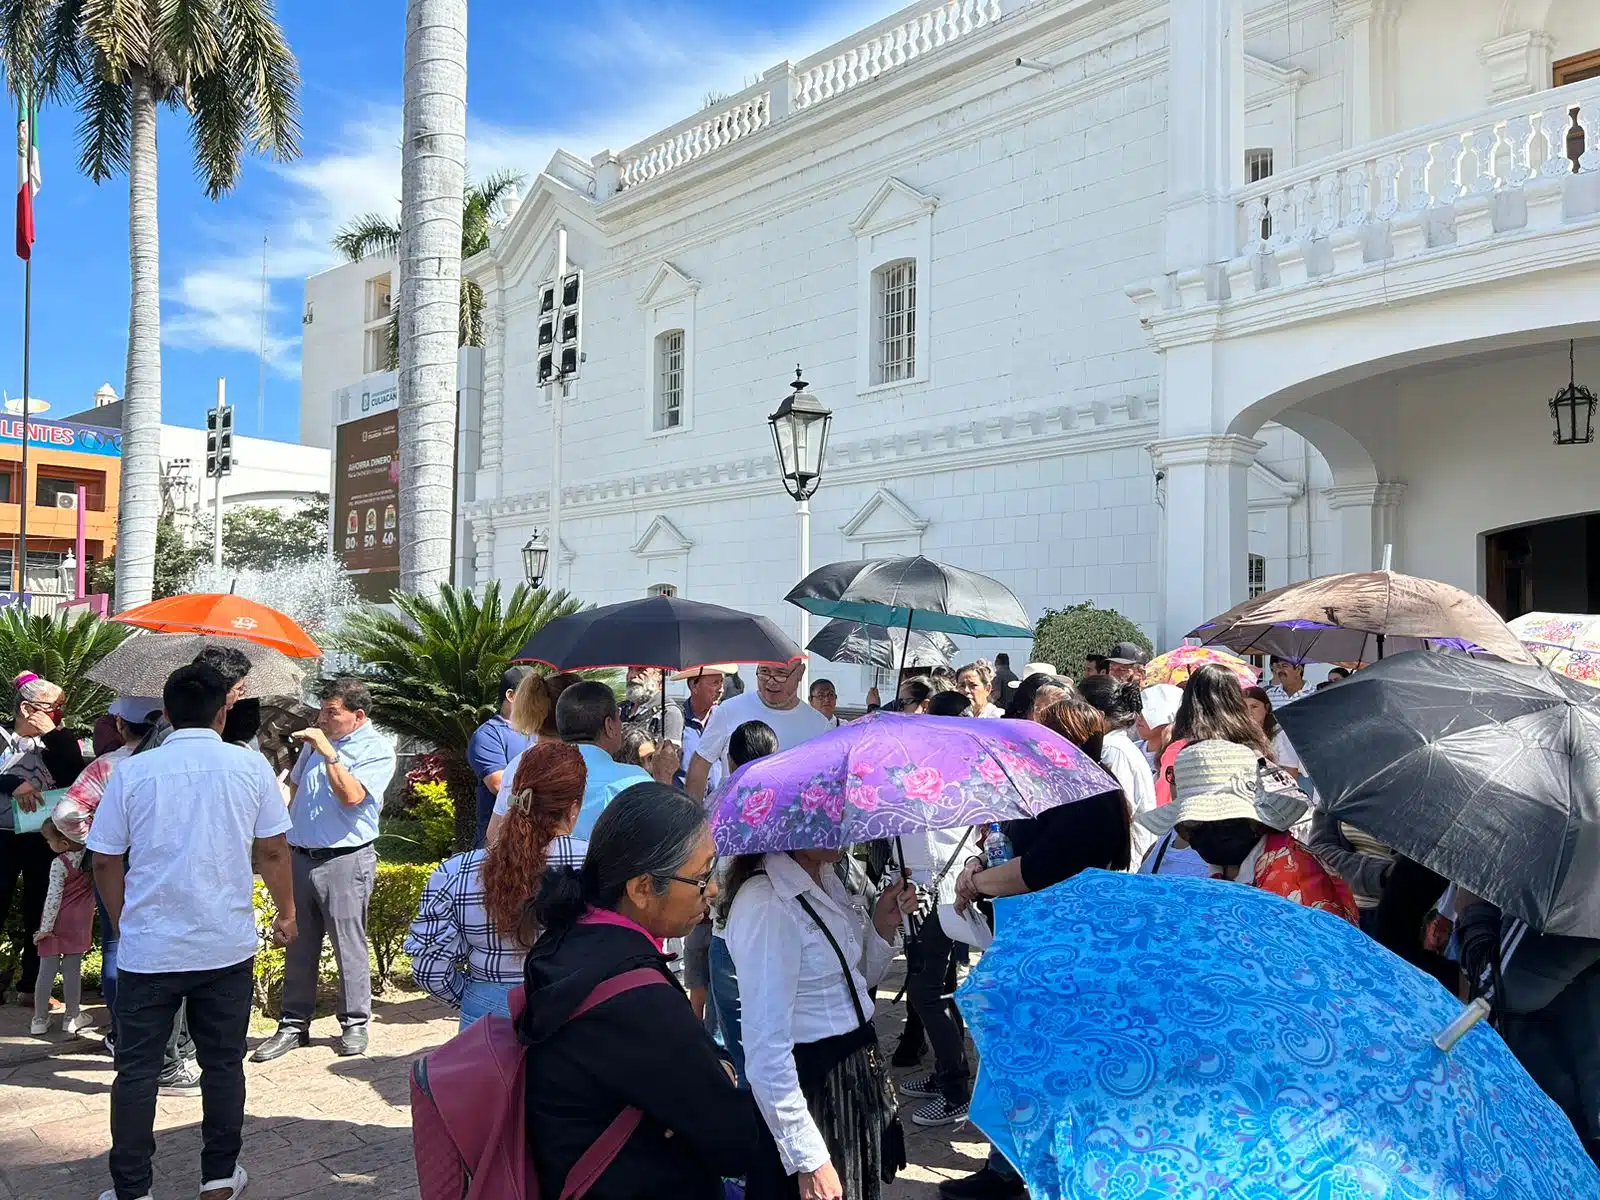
316,1125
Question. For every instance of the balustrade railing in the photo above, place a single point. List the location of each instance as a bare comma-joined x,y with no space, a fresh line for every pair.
1546,135
837,70
695,139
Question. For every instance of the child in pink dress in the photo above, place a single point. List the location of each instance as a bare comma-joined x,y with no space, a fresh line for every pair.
67,926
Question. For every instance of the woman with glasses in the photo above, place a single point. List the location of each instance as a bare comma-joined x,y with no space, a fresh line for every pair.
808,953
648,875
975,681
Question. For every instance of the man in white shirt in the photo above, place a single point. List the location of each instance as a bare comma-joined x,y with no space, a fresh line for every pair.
1288,682
776,700
190,816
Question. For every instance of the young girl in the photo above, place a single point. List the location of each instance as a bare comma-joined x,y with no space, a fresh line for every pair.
66,926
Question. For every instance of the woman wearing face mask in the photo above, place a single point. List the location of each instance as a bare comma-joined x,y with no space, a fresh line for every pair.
1234,809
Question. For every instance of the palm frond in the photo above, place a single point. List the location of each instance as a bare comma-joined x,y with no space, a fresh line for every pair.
61,648
367,235
471,314
218,125
64,59
264,59
119,31
22,26
105,127
478,209
189,34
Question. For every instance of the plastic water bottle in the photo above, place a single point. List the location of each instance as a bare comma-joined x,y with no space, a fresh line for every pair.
996,846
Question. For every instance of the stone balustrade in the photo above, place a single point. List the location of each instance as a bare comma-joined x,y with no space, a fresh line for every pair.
1463,180
733,119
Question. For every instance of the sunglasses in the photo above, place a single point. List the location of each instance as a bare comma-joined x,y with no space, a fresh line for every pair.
699,881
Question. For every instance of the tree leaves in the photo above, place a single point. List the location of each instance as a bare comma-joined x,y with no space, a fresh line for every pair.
61,648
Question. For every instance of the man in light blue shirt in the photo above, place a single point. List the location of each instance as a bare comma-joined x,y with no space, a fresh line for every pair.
586,717
344,768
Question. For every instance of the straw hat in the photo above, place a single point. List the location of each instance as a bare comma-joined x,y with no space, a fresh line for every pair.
696,672
1039,668
1222,781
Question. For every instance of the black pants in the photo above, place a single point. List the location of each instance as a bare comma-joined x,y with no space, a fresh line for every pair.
218,1005
925,992
28,855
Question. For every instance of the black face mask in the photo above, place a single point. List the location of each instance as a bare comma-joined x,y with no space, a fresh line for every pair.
1224,843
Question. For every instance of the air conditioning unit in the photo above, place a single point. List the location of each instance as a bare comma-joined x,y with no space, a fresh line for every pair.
66,499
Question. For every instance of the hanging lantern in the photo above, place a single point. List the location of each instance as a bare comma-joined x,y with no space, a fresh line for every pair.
1573,408
800,435
535,557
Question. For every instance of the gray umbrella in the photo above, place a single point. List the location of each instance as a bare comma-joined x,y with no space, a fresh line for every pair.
879,646
140,665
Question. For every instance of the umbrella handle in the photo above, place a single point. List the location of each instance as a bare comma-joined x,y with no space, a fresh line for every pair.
1458,1029
905,875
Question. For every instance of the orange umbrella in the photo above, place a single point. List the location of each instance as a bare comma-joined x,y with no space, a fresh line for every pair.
230,616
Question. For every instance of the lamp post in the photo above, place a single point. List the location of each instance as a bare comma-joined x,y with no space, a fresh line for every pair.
800,436
535,558
1573,407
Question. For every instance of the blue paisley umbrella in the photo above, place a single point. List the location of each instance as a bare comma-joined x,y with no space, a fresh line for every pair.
1145,1037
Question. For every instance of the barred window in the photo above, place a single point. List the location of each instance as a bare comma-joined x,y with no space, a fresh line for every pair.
1258,575
1258,166
661,589
669,380
897,322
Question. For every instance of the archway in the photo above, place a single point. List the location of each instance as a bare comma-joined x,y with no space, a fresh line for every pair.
1544,566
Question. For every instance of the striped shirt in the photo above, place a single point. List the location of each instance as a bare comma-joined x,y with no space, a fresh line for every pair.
453,939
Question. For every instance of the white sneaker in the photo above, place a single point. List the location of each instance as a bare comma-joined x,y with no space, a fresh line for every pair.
237,1182
39,1026
77,1024
111,1194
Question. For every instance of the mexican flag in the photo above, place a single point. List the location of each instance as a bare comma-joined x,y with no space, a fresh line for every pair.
27,176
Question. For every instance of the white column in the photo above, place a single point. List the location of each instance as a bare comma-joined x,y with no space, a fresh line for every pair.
1205,130
1205,482
1368,29
482,552
1367,518
803,624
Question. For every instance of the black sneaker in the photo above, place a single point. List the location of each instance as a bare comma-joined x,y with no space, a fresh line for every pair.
938,1111
982,1185
920,1086
181,1080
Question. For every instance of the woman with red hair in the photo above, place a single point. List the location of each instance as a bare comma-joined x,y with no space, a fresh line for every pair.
474,924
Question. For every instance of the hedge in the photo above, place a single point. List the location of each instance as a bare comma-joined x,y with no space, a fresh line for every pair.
1066,636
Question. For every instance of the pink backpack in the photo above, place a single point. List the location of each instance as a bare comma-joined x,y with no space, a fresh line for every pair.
468,1110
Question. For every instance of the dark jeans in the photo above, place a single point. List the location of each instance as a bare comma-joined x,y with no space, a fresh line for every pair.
330,897
725,1001
925,991
219,1018
28,855
179,1045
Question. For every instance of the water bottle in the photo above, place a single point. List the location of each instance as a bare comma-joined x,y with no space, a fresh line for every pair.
996,846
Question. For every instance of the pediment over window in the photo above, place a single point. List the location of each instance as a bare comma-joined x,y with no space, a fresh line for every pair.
662,539
884,515
668,283
894,203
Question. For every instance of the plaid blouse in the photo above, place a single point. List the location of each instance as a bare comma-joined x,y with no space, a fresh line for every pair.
453,940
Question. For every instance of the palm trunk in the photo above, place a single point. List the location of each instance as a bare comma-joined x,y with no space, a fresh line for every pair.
139,510
432,180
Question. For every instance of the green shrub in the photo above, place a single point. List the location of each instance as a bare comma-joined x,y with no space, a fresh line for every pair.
1066,636
402,840
435,811
395,896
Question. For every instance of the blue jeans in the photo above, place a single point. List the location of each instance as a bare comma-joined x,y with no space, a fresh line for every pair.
725,1002
108,961
483,998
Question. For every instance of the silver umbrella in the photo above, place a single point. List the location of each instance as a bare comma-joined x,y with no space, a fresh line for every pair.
140,665
843,641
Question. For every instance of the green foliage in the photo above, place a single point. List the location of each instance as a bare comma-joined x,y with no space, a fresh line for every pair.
434,669
395,895
61,648
176,560
258,538
435,814
270,957
403,840
1066,636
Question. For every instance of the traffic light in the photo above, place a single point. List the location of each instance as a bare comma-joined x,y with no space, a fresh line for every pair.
547,333
219,442
560,348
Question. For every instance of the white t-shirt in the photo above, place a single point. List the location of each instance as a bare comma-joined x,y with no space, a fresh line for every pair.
187,815
1131,769
792,725
1283,752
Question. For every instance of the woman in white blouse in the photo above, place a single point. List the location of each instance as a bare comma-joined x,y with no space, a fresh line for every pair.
807,955
975,681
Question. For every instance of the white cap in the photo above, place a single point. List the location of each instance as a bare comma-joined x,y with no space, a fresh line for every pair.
1160,701
136,710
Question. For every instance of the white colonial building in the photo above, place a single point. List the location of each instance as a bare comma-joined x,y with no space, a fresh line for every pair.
1130,301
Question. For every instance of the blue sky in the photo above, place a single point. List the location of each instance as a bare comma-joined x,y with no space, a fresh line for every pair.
540,75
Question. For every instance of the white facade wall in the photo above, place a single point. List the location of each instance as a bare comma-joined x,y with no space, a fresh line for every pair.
333,329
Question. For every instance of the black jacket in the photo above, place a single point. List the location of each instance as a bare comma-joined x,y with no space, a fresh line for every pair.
61,755
643,1048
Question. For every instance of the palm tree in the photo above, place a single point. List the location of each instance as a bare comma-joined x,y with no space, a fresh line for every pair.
61,648
434,669
227,65
433,170
372,233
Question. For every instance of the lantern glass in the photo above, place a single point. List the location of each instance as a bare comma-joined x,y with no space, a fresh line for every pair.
535,558
1573,411
800,438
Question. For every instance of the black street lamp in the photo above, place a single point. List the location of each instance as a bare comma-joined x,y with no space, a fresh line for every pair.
800,435
1573,408
535,557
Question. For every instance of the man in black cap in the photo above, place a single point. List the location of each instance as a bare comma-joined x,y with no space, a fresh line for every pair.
1127,662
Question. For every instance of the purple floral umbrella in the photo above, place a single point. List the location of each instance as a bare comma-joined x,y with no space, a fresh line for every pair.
889,774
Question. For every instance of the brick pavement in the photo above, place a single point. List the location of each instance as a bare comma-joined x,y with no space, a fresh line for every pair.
316,1125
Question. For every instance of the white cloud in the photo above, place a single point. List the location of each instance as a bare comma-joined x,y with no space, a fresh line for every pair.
216,303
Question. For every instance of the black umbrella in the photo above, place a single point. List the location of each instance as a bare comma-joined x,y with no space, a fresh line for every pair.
663,632
878,646
1487,772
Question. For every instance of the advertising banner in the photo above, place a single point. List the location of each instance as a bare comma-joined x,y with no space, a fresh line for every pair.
366,487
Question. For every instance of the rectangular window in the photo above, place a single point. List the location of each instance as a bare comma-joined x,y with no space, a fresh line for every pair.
661,589
1575,70
5,486
897,322
669,380
380,301
59,489
1258,575
375,355
1258,166
46,572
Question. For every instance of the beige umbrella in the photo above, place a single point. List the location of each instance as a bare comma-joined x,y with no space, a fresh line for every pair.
1360,617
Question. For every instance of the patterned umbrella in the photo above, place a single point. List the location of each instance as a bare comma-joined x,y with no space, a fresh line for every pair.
1565,642
890,774
1175,666
1154,1037
140,665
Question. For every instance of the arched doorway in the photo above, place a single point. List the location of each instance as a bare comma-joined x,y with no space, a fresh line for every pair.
1545,566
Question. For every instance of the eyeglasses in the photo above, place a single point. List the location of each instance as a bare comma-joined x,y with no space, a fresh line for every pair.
699,881
781,674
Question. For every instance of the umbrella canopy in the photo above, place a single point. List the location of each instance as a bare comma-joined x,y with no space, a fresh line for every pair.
1565,642
1159,1036
663,632
1362,617
224,615
879,646
140,665
1175,666
1486,772
913,593
890,774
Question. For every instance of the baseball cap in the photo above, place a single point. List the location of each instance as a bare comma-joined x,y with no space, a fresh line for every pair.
136,710
1128,654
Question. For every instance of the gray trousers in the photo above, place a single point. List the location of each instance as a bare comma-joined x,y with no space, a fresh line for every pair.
330,897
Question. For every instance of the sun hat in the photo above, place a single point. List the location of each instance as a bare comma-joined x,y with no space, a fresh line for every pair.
1159,704
72,819
1221,781
1128,654
135,710
1038,668
696,672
